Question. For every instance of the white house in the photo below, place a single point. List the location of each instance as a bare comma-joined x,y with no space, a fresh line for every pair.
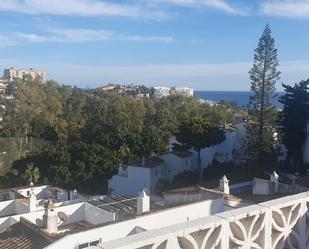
148,172
136,176
176,162
165,167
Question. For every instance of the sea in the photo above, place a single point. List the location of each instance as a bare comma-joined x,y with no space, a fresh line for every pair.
237,97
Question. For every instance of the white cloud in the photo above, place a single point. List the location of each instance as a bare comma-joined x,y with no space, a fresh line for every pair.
6,41
87,35
78,8
286,8
221,5
133,8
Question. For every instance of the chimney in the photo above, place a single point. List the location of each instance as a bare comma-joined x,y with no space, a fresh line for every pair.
32,201
274,177
50,218
143,161
224,185
143,202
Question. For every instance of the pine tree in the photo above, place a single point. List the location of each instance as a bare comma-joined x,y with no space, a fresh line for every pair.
293,123
263,76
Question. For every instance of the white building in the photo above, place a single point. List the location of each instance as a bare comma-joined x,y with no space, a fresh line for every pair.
14,73
160,91
137,176
149,172
185,91
165,167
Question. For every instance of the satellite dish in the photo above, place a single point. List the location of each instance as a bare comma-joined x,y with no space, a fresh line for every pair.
62,216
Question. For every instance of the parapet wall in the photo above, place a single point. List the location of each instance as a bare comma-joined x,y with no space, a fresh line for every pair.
279,223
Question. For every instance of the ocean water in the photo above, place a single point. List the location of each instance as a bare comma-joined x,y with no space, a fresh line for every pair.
240,98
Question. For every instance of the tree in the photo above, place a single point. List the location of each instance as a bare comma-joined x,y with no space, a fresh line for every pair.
263,77
31,174
293,122
199,133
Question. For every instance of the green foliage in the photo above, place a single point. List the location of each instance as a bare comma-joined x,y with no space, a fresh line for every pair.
89,133
31,174
293,122
262,115
199,133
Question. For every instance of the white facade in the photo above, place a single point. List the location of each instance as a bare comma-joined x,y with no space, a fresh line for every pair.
173,165
133,179
160,91
15,73
185,91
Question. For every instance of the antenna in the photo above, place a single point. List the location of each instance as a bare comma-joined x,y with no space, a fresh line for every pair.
62,216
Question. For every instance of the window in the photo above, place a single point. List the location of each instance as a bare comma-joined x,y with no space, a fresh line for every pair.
85,245
156,173
94,243
88,244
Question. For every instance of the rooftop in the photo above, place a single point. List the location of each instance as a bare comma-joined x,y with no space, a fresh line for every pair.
20,235
123,206
150,162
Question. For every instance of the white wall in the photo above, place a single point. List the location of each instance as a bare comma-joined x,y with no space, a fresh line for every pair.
207,157
7,208
38,191
151,221
224,151
22,206
175,164
97,215
137,179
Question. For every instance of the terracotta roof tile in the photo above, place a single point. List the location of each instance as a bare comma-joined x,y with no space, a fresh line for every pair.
20,236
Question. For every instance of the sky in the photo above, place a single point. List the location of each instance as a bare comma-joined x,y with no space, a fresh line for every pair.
202,44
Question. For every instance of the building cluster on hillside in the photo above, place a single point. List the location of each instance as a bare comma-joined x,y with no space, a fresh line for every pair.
159,169
138,91
160,91
256,212
12,73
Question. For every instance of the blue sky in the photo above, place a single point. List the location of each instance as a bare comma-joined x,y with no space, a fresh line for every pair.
203,44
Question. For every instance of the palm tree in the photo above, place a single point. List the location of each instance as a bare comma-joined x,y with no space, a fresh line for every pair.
32,173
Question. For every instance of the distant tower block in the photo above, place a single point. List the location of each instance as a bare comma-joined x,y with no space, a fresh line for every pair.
224,185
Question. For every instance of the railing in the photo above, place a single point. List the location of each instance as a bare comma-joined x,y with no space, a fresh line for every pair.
280,223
